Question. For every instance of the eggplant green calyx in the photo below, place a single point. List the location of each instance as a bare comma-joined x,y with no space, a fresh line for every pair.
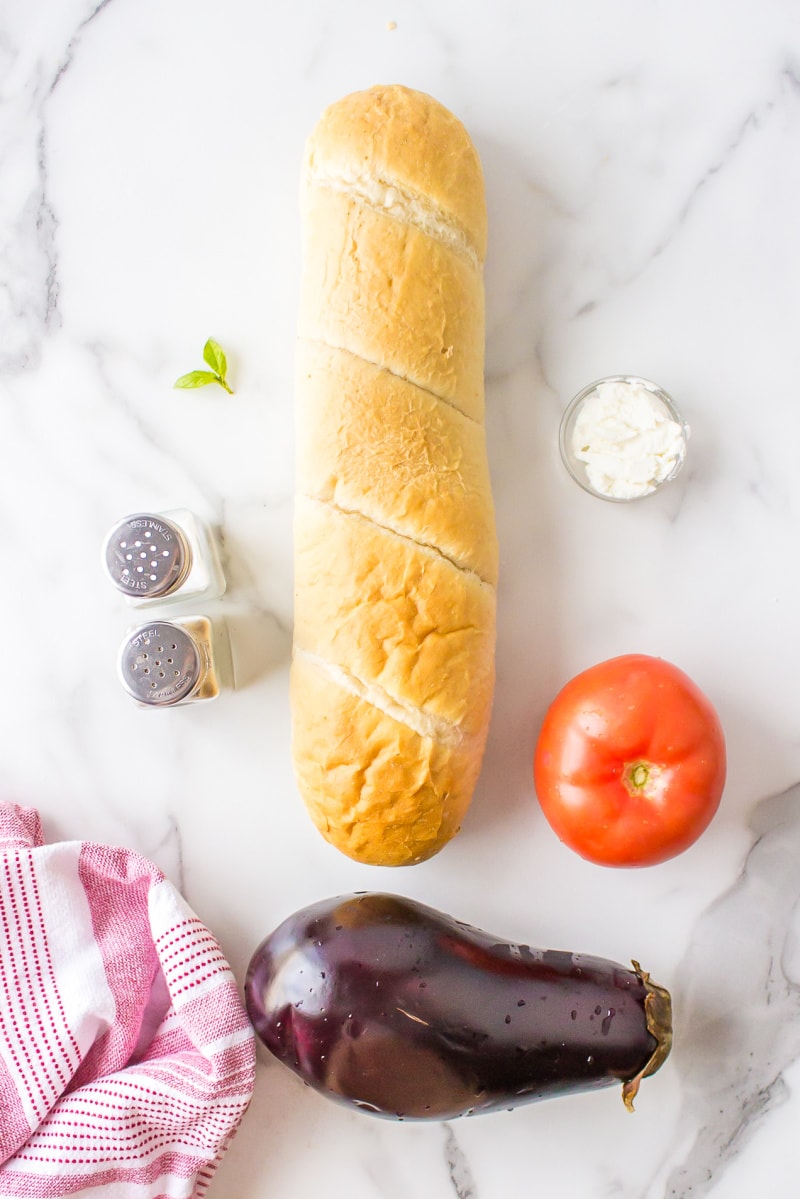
658,1018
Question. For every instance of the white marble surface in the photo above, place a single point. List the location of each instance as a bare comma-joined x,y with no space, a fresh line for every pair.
643,174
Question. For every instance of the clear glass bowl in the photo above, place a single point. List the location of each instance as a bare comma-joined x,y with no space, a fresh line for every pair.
577,468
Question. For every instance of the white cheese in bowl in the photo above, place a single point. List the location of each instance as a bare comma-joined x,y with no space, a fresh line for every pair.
627,439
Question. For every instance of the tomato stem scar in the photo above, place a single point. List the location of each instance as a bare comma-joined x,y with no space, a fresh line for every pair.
641,778
639,774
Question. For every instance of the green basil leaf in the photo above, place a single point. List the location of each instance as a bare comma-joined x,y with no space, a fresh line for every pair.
196,379
214,355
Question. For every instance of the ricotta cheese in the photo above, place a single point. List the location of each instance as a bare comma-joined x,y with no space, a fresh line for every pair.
627,439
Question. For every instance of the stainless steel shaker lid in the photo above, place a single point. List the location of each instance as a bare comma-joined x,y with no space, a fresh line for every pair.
146,555
160,664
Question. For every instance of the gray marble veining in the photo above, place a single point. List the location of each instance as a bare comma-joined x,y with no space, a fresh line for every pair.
643,184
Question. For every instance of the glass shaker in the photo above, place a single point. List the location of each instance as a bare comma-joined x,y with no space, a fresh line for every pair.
171,662
163,557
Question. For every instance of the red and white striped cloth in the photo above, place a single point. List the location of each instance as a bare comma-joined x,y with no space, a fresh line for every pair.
126,1058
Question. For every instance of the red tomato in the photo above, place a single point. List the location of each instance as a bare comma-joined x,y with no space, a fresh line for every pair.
630,762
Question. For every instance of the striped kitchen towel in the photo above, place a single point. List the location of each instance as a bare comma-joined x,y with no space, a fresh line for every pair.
126,1058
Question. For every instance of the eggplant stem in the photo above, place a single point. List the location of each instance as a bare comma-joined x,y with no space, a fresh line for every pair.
658,1018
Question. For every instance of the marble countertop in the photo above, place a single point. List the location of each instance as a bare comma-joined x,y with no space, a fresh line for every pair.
643,183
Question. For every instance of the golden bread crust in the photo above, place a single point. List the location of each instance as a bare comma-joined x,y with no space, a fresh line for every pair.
376,789
391,294
394,615
395,546
404,137
375,444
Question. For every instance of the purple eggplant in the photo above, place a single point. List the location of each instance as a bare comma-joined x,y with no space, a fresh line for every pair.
387,1005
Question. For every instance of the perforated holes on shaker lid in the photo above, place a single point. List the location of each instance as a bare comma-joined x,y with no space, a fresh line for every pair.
147,555
160,664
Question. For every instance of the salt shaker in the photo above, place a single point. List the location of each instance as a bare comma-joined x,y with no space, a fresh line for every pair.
171,662
163,557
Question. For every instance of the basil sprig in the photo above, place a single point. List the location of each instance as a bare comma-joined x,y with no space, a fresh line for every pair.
214,357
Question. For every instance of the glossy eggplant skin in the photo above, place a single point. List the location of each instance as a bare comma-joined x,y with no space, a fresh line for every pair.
388,1005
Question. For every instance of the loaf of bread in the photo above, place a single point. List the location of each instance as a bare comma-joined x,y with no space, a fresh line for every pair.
395,547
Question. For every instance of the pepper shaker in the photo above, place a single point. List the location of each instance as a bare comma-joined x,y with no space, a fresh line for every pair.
171,662
163,557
